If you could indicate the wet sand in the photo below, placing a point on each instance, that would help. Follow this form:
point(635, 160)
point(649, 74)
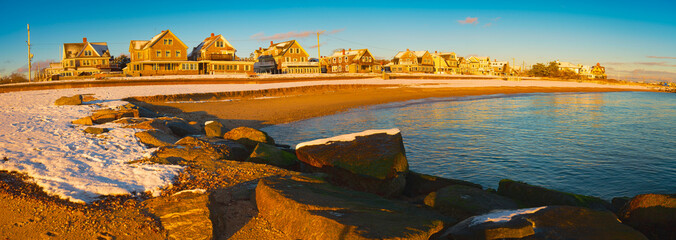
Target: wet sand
point(261, 109)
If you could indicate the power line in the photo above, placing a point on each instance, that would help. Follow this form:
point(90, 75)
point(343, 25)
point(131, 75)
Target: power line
point(366, 45)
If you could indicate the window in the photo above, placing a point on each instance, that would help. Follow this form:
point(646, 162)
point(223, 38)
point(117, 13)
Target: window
point(230, 67)
point(334, 60)
point(168, 54)
point(219, 44)
point(170, 66)
point(345, 58)
point(297, 50)
point(302, 59)
point(168, 41)
point(340, 60)
point(138, 55)
point(159, 54)
point(178, 53)
point(246, 68)
point(88, 53)
point(155, 67)
point(340, 68)
point(295, 60)
point(287, 59)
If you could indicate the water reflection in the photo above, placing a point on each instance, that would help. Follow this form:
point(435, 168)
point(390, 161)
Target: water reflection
point(603, 144)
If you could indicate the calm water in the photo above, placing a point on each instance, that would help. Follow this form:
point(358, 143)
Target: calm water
point(601, 144)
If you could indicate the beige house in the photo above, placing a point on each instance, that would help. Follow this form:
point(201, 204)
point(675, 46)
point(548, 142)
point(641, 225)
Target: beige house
point(412, 62)
point(164, 54)
point(290, 57)
point(445, 63)
point(82, 59)
point(215, 55)
point(350, 61)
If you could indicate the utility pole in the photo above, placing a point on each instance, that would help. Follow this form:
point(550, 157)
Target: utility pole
point(319, 54)
point(30, 56)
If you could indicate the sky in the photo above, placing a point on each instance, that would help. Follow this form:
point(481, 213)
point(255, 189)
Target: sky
point(633, 40)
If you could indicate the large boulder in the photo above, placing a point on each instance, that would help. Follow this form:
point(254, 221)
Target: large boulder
point(422, 184)
point(191, 151)
point(461, 202)
point(156, 138)
point(535, 196)
point(652, 214)
point(249, 137)
point(305, 207)
point(184, 215)
point(109, 115)
point(371, 161)
point(549, 222)
point(268, 154)
point(142, 112)
point(72, 100)
point(181, 128)
point(213, 129)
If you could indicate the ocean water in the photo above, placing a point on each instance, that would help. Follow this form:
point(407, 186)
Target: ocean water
point(600, 144)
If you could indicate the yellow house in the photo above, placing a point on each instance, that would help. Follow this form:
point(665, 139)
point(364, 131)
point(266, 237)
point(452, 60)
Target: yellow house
point(412, 62)
point(82, 59)
point(290, 57)
point(215, 55)
point(164, 54)
point(479, 65)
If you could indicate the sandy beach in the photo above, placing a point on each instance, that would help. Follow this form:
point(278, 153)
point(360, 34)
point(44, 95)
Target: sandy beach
point(261, 108)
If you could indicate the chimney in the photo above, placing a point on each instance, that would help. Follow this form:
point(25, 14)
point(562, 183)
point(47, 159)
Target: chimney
point(407, 50)
point(84, 40)
point(271, 43)
point(212, 34)
point(435, 52)
point(260, 48)
point(350, 49)
point(343, 51)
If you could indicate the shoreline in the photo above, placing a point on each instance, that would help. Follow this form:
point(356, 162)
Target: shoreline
point(258, 109)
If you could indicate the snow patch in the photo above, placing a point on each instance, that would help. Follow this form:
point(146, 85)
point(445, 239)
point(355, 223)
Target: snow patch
point(502, 216)
point(195, 191)
point(347, 137)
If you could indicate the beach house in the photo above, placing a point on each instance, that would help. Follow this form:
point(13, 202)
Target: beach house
point(164, 54)
point(412, 62)
point(445, 62)
point(350, 61)
point(215, 55)
point(290, 57)
point(82, 59)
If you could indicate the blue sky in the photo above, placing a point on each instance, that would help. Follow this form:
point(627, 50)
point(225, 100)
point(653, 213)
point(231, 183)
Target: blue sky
point(632, 39)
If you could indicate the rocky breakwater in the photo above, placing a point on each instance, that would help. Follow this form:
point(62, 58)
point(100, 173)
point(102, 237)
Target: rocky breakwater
point(239, 184)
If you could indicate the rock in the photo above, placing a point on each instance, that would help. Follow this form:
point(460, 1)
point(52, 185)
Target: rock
point(371, 161)
point(109, 115)
point(191, 151)
point(87, 121)
point(619, 203)
point(305, 207)
point(268, 154)
point(130, 120)
point(95, 130)
point(552, 222)
point(535, 196)
point(181, 128)
point(652, 214)
point(461, 202)
point(73, 100)
point(248, 137)
point(213, 129)
point(184, 215)
point(422, 184)
point(155, 138)
point(152, 124)
point(143, 112)
point(237, 151)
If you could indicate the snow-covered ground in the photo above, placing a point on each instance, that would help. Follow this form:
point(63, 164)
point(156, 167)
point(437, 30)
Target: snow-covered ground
point(37, 137)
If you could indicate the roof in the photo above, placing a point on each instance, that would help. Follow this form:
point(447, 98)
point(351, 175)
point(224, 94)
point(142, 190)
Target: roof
point(358, 53)
point(283, 46)
point(208, 42)
point(138, 44)
point(71, 50)
point(400, 54)
point(419, 53)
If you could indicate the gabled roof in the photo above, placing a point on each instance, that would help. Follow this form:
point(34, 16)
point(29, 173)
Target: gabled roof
point(419, 53)
point(208, 42)
point(71, 50)
point(157, 38)
point(138, 44)
point(400, 54)
point(356, 53)
point(283, 47)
